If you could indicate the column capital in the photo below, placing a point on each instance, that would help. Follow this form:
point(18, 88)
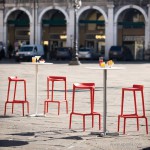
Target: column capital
point(110, 6)
point(146, 23)
point(148, 5)
point(115, 23)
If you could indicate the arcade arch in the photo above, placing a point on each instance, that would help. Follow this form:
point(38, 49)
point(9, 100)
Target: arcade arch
point(17, 28)
point(131, 24)
point(92, 30)
point(53, 30)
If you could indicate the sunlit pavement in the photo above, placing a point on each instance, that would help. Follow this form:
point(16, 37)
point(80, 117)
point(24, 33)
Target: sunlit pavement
point(52, 131)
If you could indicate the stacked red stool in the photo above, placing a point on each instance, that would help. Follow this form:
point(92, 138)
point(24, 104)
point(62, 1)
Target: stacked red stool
point(85, 86)
point(53, 79)
point(134, 89)
point(14, 101)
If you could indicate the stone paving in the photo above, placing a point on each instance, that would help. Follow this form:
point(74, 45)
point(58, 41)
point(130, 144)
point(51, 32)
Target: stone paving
point(52, 131)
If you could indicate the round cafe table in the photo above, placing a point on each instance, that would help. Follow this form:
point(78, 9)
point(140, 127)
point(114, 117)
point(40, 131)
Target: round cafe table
point(105, 69)
point(36, 64)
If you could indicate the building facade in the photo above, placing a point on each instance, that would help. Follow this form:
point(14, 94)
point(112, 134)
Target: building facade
point(100, 24)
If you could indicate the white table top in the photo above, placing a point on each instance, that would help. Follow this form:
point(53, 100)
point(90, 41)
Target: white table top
point(105, 68)
point(37, 63)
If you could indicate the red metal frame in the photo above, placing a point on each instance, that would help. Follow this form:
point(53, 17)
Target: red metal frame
point(91, 87)
point(48, 100)
point(133, 89)
point(14, 101)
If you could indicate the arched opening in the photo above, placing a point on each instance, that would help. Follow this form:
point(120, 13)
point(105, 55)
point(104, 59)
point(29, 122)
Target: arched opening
point(131, 32)
point(18, 31)
point(53, 32)
point(92, 31)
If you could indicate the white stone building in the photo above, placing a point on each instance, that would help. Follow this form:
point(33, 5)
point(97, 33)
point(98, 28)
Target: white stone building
point(100, 24)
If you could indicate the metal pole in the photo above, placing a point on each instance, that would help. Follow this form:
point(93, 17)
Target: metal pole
point(75, 59)
point(105, 102)
point(75, 32)
point(34, 22)
point(36, 89)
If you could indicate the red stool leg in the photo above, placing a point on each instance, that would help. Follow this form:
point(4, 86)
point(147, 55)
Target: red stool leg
point(65, 89)
point(5, 108)
point(66, 97)
point(92, 105)
point(14, 96)
point(12, 109)
point(124, 126)
point(44, 107)
point(47, 88)
point(8, 91)
point(118, 123)
point(135, 106)
point(58, 108)
point(52, 98)
point(73, 97)
point(25, 96)
point(47, 107)
point(83, 122)
point(99, 122)
point(122, 103)
point(25, 93)
point(143, 105)
point(92, 121)
point(70, 121)
point(28, 107)
point(15, 90)
point(67, 107)
point(23, 109)
point(146, 122)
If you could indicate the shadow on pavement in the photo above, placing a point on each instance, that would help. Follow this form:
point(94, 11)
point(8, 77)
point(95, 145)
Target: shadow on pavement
point(11, 143)
point(24, 134)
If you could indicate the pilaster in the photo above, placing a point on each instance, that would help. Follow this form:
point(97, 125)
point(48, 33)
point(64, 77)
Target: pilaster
point(70, 29)
point(1, 25)
point(109, 30)
point(147, 30)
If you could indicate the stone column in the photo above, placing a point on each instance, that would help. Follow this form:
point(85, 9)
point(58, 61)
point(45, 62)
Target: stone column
point(39, 35)
point(36, 23)
point(109, 30)
point(31, 33)
point(5, 37)
point(70, 29)
point(1, 25)
point(33, 25)
point(147, 30)
point(115, 33)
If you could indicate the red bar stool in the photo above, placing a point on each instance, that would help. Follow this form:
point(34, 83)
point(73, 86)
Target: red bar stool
point(48, 100)
point(134, 89)
point(91, 87)
point(14, 101)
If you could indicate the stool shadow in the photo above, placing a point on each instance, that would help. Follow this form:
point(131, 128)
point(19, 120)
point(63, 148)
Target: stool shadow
point(11, 143)
point(24, 134)
point(147, 148)
point(72, 138)
point(6, 116)
point(96, 89)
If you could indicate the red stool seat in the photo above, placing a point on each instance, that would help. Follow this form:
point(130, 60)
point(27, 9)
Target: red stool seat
point(48, 100)
point(91, 87)
point(133, 89)
point(14, 101)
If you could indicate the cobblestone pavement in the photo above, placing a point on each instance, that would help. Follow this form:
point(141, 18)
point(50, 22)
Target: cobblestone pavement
point(52, 131)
